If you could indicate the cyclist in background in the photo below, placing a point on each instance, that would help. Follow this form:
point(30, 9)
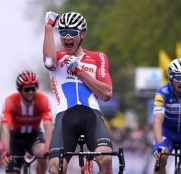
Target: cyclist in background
point(167, 114)
point(22, 114)
point(78, 78)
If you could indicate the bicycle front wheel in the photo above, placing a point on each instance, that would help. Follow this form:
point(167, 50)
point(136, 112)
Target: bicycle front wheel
point(26, 169)
point(178, 169)
point(91, 167)
point(96, 167)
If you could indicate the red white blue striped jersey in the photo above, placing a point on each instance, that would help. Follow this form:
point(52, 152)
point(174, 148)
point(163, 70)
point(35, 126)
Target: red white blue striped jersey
point(69, 90)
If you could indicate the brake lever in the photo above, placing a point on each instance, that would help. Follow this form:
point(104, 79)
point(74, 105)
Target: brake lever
point(157, 165)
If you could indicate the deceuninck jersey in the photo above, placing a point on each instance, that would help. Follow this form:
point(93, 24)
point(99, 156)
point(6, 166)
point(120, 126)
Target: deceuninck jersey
point(167, 102)
point(25, 119)
point(69, 90)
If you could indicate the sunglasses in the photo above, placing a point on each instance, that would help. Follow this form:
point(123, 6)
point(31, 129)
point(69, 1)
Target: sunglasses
point(29, 89)
point(71, 33)
point(177, 78)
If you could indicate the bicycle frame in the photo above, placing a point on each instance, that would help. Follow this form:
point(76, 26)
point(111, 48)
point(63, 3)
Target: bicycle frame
point(88, 168)
point(90, 156)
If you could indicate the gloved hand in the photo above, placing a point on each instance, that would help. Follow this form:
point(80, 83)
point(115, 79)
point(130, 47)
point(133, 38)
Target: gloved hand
point(156, 151)
point(5, 157)
point(73, 64)
point(51, 18)
point(157, 146)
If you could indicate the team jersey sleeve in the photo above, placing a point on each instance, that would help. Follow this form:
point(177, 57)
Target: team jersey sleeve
point(6, 112)
point(46, 114)
point(60, 54)
point(159, 103)
point(103, 69)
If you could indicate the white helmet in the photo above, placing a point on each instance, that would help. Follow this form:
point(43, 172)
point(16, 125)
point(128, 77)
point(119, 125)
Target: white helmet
point(72, 20)
point(174, 67)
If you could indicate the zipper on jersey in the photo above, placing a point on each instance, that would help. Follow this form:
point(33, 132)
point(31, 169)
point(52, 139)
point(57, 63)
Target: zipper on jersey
point(179, 121)
point(77, 89)
point(77, 82)
point(179, 115)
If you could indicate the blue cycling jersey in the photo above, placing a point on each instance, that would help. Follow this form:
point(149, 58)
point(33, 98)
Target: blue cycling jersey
point(167, 102)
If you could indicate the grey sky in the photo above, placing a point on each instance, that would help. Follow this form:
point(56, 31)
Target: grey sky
point(21, 43)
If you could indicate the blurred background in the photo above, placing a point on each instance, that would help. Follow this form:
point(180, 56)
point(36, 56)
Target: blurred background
point(139, 37)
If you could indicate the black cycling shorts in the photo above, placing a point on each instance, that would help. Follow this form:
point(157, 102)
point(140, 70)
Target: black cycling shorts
point(21, 143)
point(78, 120)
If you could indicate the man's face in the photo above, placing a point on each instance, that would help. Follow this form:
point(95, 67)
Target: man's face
point(28, 93)
point(71, 40)
point(177, 83)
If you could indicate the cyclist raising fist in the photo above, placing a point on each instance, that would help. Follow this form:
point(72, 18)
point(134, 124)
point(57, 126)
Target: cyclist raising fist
point(78, 78)
point(22, 114)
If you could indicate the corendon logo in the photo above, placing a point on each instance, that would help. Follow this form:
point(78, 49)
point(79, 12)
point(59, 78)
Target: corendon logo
point(54, 88)
point(88, 69)
point(84, 67)
point(103, 71)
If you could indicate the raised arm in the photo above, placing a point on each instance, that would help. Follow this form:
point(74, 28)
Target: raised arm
point(49, 48)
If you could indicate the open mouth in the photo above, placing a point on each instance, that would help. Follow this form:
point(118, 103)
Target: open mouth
point(69, 44)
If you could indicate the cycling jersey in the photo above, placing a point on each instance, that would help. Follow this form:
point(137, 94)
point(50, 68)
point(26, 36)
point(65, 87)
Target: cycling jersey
point(167, 102)
point(26, 119)
point(69, 89)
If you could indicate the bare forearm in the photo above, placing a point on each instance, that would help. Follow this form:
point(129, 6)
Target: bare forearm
point(48, 133)
point(157, 129)
point(49, 49)
point(157, 134)
point(5, 136)
point(99, 88)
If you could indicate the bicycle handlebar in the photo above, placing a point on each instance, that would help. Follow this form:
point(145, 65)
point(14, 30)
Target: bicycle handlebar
point(29, 158)
point(157, 165)
point(91, 155)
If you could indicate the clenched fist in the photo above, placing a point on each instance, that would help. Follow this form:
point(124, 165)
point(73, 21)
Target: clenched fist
point(51, 18)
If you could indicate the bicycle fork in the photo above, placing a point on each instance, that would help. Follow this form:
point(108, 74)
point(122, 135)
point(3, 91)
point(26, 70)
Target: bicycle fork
point(88, 168)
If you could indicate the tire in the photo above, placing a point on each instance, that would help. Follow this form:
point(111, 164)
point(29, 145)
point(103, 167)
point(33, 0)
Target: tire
point(25, 169)
point(96, 167)
point(178, 168)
